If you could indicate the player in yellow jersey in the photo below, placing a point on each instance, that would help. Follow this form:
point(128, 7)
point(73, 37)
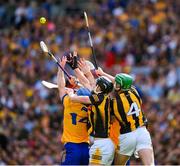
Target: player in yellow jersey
point(75, 134)
point(102, 150)
point(114, 130)
point(134, 137)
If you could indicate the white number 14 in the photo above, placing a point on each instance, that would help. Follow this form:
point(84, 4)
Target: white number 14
point(133, 109)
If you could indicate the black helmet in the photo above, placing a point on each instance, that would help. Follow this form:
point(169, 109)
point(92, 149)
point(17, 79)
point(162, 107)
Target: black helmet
point(105, 84)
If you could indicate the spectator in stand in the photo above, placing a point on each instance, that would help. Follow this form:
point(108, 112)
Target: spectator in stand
point(137, 37)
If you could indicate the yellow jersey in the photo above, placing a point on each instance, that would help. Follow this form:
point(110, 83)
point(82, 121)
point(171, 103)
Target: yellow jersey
point(115, 131)
point(75, 122)
point(127, 109)
point(99, 116)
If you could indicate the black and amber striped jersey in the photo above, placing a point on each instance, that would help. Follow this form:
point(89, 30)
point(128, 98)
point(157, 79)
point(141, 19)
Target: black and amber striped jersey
point(128, 111)
point(99, 116)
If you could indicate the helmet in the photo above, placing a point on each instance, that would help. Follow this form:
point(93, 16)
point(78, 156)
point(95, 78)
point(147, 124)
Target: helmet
point(124, 80)
point(105, 84)
point(90, 64)
point(83, 92)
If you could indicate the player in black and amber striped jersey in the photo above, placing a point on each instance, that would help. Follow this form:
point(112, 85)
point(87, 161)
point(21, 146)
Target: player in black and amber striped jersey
point(99, 117)
point(102, 151)
point(134, 137)
point(127, 109)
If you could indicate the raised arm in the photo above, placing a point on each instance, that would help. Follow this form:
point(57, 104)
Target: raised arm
point(79, 99)
point(61, 79)
point(84, 67)
point(102, 73)
point(82, 79)
point(94, 99)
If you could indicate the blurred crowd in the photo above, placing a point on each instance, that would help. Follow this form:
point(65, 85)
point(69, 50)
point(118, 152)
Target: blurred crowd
point(140, 37)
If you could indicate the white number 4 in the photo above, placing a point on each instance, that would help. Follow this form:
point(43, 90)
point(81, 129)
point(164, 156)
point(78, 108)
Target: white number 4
point(133, 109)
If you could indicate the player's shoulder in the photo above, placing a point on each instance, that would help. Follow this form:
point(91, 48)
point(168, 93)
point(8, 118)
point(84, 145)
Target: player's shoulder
point(65, 99)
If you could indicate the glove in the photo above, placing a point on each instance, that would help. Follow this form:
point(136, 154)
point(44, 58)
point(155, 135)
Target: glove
point(72, 61)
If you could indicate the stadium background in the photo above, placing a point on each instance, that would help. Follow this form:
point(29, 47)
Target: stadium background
point(141, 37)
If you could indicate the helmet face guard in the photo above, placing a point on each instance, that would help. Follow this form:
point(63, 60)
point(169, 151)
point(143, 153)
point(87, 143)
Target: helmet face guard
point(105, 84)
point(124, 80)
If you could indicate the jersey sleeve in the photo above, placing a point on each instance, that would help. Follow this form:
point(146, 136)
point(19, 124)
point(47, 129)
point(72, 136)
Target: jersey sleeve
point(96, 99)
point(64, 98)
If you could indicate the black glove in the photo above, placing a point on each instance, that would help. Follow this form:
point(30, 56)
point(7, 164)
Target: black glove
point(72, 61)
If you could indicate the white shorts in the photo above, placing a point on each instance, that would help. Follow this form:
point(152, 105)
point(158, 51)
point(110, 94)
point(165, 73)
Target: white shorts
point(134, 141)
point(102, 151)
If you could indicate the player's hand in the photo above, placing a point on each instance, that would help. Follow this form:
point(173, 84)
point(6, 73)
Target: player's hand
point(63, 61)
point(83, 66)
point(72, 60)
point(99, 71)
